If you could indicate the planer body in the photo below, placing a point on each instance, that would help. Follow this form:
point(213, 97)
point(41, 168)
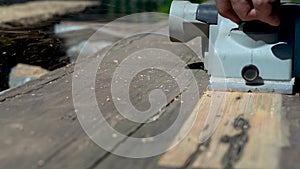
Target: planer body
point(248, 57)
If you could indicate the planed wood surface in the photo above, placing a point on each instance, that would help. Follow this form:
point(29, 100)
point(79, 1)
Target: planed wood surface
point(289, 155)
point(258, 147)
point(39, 126)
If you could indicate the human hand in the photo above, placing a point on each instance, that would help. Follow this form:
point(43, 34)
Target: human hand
point(247, 10)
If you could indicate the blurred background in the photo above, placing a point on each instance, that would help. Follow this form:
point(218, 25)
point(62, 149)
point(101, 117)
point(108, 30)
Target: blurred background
point(29, 51)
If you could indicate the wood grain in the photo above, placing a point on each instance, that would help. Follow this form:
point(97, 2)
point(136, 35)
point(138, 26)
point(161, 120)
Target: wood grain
point(266, 135)
point(39, 128)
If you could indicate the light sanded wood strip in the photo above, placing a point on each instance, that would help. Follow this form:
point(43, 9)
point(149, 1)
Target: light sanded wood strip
point(177, 156)
point(266, 135)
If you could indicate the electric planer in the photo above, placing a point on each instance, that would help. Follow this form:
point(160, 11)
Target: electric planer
point(249, 57)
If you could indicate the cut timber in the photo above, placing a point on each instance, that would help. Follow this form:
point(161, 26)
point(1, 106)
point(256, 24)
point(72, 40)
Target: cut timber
point(259, 147)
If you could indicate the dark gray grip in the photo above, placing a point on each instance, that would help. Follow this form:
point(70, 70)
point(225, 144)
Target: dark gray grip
point(207, 13)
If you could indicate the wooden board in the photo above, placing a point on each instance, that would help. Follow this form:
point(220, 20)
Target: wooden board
point(39, 127)
point(257, 145)
point(39, 121)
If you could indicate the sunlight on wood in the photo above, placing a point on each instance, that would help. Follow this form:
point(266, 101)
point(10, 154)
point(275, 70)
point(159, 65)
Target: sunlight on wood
point(265, 136)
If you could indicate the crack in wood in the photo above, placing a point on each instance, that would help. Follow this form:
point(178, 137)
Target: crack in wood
point(106, 155)
point(61, 149)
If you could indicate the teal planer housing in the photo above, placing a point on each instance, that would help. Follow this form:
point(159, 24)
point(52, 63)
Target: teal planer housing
point(251, 56)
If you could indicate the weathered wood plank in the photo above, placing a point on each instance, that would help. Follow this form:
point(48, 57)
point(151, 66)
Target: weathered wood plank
point(39, 122)
point(139, 94)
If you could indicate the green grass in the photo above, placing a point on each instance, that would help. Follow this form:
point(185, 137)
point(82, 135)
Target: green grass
point(111, 7)
point(165, 8)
